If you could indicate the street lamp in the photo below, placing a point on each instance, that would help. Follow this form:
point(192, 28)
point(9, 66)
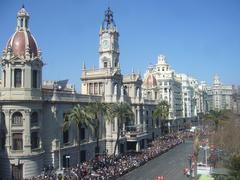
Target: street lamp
point(190, 164)
point(68, 160)
point(59, 155)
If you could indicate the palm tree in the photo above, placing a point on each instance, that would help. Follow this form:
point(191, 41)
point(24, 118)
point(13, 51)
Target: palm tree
point(162, 112)
point(217, 116)
point(196, 148)
point(120, 111)
point(79, 117)
point(95, 111)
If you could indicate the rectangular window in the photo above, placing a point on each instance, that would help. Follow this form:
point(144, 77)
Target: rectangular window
point(82, 133)
point(91, 88)
point(17, 78)
point(17, 141)
point(105, 64)
point(95, 88)
point(34, 140)
point(100, 88)
point(34, 78)
point(17, 119)
point(4, 78)
point(65, 131)
point(65, 136)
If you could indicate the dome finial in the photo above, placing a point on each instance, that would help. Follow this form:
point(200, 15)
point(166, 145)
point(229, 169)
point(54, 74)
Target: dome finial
point(22, 19)
point(83, 66)
point(108, 21)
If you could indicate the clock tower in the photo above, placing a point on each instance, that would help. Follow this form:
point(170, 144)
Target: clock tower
point(108, 42)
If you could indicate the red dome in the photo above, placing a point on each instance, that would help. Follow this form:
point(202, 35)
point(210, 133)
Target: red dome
point(20, 41)
point(150, 81)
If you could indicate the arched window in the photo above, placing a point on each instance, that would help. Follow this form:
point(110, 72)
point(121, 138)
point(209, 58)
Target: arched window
point(17, 119)
point(149, 95)
point(34, 119)
point(17, 77)
point(21, 22)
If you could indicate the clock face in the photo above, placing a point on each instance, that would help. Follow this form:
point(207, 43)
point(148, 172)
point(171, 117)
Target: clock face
point(105, 44)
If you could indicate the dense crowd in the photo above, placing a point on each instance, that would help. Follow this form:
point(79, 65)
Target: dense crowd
point(110, 167)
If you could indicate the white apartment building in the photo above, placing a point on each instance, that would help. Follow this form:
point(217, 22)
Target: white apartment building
point(160, 83)
point(194, 97)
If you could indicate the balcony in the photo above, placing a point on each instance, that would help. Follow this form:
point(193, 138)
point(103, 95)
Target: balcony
point(135, 131)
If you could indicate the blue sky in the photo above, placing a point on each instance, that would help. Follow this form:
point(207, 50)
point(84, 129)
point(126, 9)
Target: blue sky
point(198, 37)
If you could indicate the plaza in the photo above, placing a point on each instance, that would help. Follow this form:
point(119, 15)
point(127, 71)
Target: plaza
point(33, 110)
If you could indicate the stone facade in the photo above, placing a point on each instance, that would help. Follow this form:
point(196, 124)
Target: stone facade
point(33, 110)
point(219, 95)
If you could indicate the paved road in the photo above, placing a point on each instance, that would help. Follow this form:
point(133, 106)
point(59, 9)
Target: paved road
point(170, 165)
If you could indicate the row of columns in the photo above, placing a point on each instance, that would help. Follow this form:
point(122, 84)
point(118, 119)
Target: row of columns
point(95, 88)
point(12, 78)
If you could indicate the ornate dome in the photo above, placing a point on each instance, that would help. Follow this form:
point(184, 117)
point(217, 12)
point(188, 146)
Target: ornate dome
point(22, 43)
point(150, 81)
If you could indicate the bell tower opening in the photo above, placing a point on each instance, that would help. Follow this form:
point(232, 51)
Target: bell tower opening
point(22, 19)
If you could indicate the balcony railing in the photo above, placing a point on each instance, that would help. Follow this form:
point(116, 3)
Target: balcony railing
point(135, 130)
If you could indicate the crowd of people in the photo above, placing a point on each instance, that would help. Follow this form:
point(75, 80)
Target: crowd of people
point(111, 167)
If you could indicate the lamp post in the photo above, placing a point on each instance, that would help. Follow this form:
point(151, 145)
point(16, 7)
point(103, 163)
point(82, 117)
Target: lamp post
point(59, 155)
point(190, 164)
point(68, 160)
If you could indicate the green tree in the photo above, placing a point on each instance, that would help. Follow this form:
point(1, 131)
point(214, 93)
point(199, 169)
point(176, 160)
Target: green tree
point(120, 111)
point(162, 112)
point(234, 166)
point(217, 117)
point(78, 115)
point(96, 111)
point(196, 148)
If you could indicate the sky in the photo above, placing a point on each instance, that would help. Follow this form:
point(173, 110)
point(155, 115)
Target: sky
point(200, 38)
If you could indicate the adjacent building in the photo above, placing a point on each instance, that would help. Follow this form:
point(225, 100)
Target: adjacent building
point(160, 84)
point(219, 95)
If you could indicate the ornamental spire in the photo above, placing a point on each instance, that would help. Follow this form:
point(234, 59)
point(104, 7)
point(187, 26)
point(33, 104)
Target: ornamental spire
point(22, 19)
point(108, 20)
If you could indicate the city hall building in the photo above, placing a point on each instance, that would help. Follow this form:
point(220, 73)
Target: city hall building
point(33, 110)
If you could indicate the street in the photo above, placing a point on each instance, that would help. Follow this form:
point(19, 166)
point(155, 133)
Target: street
point(169, 165)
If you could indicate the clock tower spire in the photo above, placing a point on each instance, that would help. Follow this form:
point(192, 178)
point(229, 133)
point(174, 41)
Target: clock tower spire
point(108, 42)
